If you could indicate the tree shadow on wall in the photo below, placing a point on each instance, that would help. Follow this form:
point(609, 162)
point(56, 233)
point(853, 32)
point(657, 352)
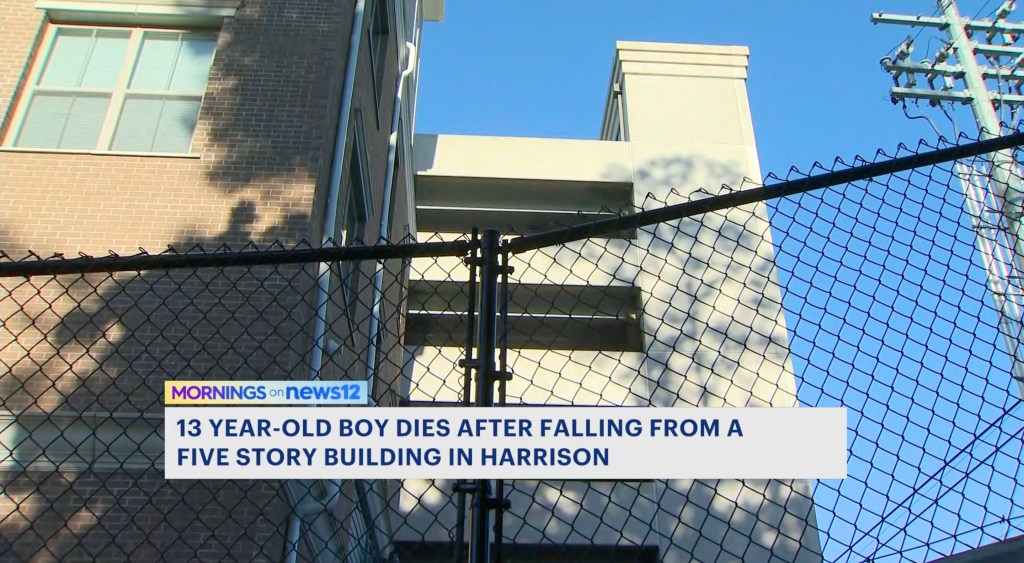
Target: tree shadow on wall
point(98, 343)
point(270, 108)
point(105, 343)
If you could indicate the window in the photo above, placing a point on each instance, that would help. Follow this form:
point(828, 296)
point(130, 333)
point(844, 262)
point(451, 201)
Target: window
point(355, 207)
point(356, 215)
point(380, 28)
point(354, 231)
point(117, 89)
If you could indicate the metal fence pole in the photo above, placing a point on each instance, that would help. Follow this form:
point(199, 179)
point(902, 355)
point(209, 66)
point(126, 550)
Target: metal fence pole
point(467, 365)
point(480, 547)
point(503, 375)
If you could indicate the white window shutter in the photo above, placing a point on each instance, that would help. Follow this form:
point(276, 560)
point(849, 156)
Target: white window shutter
point(91, 86)
point(177, 123)
point(193, 68)
point(106, 60)
point(67, 57)
point(140, 117)
point(44, 122)
point(84, 122)
point(156, 58)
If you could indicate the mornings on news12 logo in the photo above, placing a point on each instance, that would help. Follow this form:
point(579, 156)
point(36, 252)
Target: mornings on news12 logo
point(265, 393)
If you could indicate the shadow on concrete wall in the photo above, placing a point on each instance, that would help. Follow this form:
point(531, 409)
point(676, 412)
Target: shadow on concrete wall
point(714, 336)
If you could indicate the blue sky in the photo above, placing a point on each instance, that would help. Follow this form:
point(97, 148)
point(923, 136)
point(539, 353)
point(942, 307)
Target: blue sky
point(884, 294)
point(541, 68)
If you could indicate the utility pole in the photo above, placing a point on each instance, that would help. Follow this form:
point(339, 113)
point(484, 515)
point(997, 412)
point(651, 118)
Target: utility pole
point(995, 199)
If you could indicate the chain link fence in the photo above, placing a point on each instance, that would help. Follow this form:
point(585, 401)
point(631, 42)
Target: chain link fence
point(887, 286)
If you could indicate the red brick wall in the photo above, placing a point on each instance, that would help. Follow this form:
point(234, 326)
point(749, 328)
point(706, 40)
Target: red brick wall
point(138, 516)
point(99, 343)
point(103, 343)
point(264, 139)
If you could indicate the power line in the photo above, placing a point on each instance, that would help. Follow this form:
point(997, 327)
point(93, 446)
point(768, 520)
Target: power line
point(931, 477)
point(918, 34)
point(967, 472)
point(982, 9)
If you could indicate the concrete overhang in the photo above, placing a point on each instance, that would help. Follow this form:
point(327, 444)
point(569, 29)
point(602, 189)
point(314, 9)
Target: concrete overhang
point(517, 184)
point(192, 13)
point(524, 158)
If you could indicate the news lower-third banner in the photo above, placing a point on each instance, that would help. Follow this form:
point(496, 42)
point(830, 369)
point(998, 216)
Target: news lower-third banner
point(621, 443)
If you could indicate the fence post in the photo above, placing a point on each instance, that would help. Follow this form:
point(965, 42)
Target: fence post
point(472, 261)
point(480, 548)
point(501, 503)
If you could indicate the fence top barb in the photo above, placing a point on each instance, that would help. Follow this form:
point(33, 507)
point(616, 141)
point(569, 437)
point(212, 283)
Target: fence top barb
point(737, 198)
point(35, 266)
point(58, 265)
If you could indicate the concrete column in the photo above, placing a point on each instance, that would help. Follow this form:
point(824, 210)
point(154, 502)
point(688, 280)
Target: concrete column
point(714, 333)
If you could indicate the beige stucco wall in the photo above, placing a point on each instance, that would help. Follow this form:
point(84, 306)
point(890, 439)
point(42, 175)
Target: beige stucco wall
point(711, 315)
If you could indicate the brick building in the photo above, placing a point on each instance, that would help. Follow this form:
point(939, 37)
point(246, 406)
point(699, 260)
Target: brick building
point(148, 123)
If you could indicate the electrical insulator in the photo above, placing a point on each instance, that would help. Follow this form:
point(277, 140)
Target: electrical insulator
point(885, 62)
point(905, 49)
point(1005, 9)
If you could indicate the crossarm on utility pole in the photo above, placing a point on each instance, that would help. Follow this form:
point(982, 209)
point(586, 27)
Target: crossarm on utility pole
point(1003, 174)
point(940, 22)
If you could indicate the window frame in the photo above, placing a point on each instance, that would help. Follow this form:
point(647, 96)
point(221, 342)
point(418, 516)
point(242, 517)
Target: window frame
point(358, 200)
point(118, 94)
point(358, 195)
point(380, 34)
